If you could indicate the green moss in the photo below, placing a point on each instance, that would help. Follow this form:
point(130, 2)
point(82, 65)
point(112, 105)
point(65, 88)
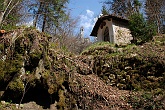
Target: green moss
point(61, 103)
point(1, 71)
point(157, 91)
point(8, 106)
point(1, 75)
point(145, 101)
point(98, 48)
point(16, 88)
point(54, 45)
point(35, 58)
point(60, 79)
point(1, 47)
point(47, 63)
point(19, 46)
point(46, 74)
point(10, 68)
point(36, 54)
point(15, 66)
point(53, 88)
point(121, 86)
point(16, 85)
point(105, 77)
point(9, 27)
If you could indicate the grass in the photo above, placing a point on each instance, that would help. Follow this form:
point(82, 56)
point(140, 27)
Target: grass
point(96, 45)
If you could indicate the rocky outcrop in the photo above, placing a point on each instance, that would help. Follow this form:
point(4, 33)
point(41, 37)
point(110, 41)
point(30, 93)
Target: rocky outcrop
point(35, 76)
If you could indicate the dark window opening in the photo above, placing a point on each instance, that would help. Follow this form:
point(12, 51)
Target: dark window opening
point(106, 35)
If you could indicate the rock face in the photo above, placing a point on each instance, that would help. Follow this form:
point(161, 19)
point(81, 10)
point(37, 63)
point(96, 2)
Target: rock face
point(38, 76)
point(122, 34)
point(131, 67)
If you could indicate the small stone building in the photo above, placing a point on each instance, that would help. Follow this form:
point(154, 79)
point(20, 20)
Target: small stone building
point(112, 29)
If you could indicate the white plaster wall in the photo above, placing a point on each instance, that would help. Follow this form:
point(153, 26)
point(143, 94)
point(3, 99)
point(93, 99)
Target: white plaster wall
point(100, 33)
point(122, 34)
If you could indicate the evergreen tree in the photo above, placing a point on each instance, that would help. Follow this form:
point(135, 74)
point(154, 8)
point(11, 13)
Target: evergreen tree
point(48, 13)
point(104, 11)
point(123, 8)
point(140, 29)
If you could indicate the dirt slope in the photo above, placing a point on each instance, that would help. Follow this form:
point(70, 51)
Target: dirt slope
point(110, 97)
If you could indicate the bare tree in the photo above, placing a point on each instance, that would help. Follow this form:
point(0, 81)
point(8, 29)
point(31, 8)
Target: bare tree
point(6, 7)
point(66, 38)
point(155, 11)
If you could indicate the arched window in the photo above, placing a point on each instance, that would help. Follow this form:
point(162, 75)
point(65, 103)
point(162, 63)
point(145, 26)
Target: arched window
point(106, 35)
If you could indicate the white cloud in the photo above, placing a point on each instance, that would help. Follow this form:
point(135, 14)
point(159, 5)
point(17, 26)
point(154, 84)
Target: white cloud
point(90, 13)
point(87, 20)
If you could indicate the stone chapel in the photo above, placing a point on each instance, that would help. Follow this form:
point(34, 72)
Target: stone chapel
point(112, 29)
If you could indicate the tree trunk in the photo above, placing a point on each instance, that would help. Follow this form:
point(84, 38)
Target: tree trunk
point(37, 15)
point(1, 17)
point(35, 20)
point(44, 20)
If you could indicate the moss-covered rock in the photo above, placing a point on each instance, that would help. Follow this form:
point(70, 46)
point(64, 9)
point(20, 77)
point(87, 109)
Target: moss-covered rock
point(128, 66)
point(76, 81)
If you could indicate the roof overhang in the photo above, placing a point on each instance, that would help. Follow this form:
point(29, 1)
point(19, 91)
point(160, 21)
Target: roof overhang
point(106, 17)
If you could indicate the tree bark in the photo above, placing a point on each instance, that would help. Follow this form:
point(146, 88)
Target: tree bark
point(1, 17)
point(44, 20)
point(37, 15)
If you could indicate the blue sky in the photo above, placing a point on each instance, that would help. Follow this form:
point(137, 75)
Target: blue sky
point(87, 12)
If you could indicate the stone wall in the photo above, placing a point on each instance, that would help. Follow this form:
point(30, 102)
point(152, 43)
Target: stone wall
point(122, 34)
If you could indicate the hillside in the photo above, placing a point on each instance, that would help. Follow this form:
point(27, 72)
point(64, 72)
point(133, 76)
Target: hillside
point(37, 75)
